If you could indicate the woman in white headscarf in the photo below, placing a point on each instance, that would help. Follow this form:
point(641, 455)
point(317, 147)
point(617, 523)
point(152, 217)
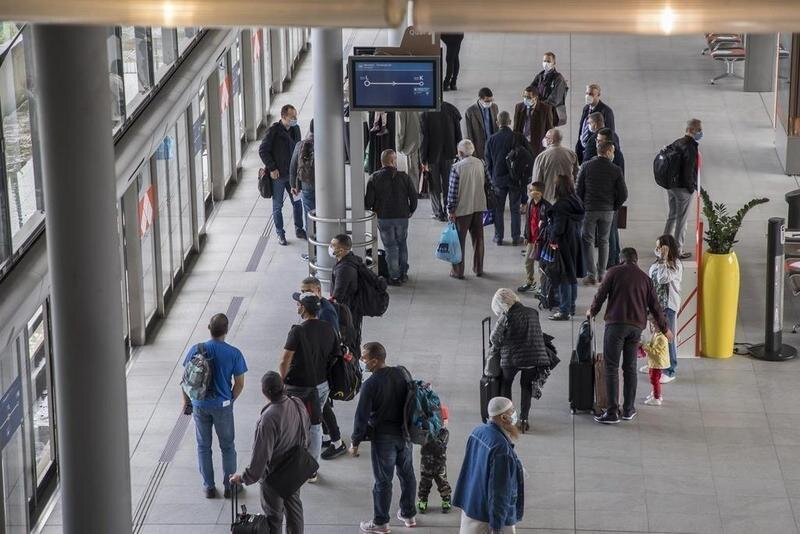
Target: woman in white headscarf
point(517, 344)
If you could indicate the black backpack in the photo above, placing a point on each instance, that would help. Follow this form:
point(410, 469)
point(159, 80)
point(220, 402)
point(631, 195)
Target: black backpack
point(347, 330)
point(344, 377)
point(519, 161)
point(372, 299)
point(667, 166)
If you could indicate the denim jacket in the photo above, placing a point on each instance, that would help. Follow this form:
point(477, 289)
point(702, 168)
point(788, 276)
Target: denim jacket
point(490, 485)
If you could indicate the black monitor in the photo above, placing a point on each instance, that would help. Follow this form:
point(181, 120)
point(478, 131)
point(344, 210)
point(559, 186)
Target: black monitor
point(395, 83)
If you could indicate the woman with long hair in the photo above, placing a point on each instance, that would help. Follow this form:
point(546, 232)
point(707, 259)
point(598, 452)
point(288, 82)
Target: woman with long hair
point(666, 274)
point(564, 235)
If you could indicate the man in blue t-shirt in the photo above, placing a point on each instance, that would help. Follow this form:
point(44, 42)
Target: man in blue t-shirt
point(216, 411)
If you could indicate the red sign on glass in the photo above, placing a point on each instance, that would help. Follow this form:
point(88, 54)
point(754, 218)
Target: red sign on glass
point(224, 94)
point(257, 45)
point(147, 210)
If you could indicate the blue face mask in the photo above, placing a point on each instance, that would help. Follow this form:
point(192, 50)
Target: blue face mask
point(528, 102)
point(698, 136)
point(292, 123)
point(363, 366)
point(514, 418)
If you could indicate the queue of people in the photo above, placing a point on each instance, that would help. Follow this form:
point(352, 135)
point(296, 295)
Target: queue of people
point(566, 208)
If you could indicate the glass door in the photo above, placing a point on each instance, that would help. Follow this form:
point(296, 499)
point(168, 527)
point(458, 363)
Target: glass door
point(14, 507)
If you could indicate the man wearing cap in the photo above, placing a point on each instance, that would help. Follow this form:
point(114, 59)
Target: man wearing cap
point(283, 425)
point(310, 347)
point(490, 488)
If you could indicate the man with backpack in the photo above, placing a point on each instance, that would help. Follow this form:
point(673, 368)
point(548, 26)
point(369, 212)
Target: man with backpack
point(381, 419)
point(301, 172)
point(675, 169)
point(209, 369)
point(392, 197)
point(509, 163)
point(309, 350)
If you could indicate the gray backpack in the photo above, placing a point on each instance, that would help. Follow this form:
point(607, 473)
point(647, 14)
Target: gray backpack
point(198, 375)
point(305, 162)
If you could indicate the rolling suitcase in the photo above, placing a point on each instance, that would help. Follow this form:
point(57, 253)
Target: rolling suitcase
point(244, 522)
point(581, 382)
point(490, 385)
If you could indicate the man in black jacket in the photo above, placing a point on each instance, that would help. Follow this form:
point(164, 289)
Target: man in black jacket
point(593, 104)
point(393, 198)
point(607, 135)
point(276, 153)
point(344, 280)
point(441, 132)
point(680, 197)
point(601, 188)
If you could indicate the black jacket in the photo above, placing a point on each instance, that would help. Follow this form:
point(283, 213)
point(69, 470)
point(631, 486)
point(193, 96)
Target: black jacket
point(391, 194)
point(566, 217)
point(277, 147)
point(441, 132)
point(608, 116)
point(601, 186)
point(591, 151)
point(344, 280)
point(688, 147)
point(518, 339)
point(497, 148)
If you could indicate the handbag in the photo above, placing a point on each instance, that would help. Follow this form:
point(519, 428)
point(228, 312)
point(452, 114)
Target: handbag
point(293, 470)
point(264, 183)
point(491, 200)
point(622, 217)
point(488, 217)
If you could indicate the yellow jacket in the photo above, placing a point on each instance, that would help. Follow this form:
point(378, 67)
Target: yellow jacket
point(657, 350)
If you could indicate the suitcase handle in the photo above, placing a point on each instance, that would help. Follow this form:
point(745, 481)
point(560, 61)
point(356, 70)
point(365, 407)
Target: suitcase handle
point(486, 321)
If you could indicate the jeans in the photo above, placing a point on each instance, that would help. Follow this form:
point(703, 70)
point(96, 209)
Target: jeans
point(308, 199)
point(678, 201)
point(514, 200)
point(672, 317)
point(568, 294)
point(221, 419)
point(315, 434)
point(279, 188)
point(394, 233)
point(388, 453)
point(275, 507)
point(596, 223)
point(621, 338)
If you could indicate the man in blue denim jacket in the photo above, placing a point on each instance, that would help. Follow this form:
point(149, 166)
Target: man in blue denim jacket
point(490, 489)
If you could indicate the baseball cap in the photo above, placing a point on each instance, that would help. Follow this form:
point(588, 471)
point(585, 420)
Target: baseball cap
point(309, 300)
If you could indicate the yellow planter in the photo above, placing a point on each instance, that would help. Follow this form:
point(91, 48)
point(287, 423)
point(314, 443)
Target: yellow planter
point(720, 303)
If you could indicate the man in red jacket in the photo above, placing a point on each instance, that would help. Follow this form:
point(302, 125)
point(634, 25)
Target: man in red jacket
point(631, 296)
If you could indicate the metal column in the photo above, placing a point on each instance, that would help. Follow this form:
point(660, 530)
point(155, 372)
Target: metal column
point(74, 117)
point(358, 180)
point(326, 64)
point(759, 63)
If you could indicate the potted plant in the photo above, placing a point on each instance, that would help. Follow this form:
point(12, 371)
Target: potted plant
point(720, 276)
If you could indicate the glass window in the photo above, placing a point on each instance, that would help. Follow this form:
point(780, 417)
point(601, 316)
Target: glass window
point(164, 50)
point(24, 195)
point(147, 215)
point(41, 412)
point(115, 79)
point(185, 37)
point(162, 195)
point(185, 190)
point(15, 505)
point(136, 65)
point(225, 103)
point(8, 30)
point(174, 203)
point(200, 152)
point(238, 97)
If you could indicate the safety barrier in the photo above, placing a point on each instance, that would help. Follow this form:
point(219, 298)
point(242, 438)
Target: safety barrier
point(692, 304)
point(343, 225)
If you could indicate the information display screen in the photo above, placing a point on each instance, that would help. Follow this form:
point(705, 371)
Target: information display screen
point(389, 83)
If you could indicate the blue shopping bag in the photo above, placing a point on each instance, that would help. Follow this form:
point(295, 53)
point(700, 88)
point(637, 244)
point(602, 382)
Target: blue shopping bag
point(449, 248)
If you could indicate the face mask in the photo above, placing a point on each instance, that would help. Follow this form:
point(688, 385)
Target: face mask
point(485, 105)
point(292, 123)
point(698, 136)
point(657, 252)
point(331, 251)
point(363, 366)
point(514, 418)
point(544, 142)
point(589, 99)
point(547, 66)
point(528, 102)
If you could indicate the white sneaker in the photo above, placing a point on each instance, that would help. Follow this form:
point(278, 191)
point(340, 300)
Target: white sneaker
point(665, 379)
point(371, 527)
point(645, 370)
point(409, 522)
point(652, 401)
point(649, 396)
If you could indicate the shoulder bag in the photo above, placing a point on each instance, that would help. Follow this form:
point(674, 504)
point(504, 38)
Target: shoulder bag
point(293, 470)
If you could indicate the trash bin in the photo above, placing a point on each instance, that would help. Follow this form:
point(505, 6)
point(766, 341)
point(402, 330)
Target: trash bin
point(793, 219)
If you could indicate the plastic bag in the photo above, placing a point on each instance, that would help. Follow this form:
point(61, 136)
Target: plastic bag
point(488, 217)
point(449, 248)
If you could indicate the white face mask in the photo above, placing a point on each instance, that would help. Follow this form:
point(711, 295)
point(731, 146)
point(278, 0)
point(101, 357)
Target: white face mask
point(589, 99)
point(528, 102)
point(485, 105)
point(546, 65)
point(514, 418)
point(657, 252)
point(544, 142)
point(331, 251)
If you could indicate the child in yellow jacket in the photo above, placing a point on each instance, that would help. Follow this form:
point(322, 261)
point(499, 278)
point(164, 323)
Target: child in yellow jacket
point(657, 351)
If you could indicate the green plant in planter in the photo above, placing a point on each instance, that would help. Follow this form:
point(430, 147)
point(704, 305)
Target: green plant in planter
point(722, 228)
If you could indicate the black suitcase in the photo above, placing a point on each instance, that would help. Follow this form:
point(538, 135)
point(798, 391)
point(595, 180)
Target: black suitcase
point(243, 522)
point(581, 384)
point(490, 385)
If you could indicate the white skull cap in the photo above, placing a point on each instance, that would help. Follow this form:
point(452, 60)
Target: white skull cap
point(499, 405)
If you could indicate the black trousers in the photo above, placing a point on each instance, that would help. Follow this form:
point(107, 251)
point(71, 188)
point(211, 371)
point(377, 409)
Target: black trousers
point(526, 387)
point(439, 185)
point(621, 338)
point(453, 43)
point(329, 424)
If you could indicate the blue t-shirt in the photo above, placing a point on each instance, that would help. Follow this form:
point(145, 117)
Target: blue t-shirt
point(227, 362)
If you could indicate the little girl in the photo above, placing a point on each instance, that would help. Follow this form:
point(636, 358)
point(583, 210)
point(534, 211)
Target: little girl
point(657, 351)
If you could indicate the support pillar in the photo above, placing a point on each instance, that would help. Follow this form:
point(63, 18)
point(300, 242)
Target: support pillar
point(74, 114)
point(759, 63)
point(327, 96)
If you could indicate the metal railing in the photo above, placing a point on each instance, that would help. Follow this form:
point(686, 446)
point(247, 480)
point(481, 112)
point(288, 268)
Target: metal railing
point(347, 225)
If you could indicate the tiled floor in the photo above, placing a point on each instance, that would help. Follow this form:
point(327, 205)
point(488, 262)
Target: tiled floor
point(721, 456)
